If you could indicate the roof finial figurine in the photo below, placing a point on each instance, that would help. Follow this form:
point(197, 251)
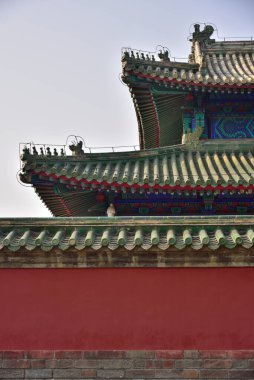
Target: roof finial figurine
point(48, 151)
point(77, 148)
point(25, 154)
point(164, 56)
point(193, 137)
point(126, 55)
point(111, 211)
point(35, 151)
point(204, 35)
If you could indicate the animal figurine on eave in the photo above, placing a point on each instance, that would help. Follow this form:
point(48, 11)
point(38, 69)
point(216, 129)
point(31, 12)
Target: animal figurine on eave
point(192, 137)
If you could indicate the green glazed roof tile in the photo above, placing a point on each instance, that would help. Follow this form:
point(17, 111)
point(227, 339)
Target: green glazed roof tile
point(216, 163)
point(114, 233)
point(158, 86)
point(228, 62)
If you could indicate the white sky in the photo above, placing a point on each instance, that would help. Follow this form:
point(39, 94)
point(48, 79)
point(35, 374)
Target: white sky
point(59, 71)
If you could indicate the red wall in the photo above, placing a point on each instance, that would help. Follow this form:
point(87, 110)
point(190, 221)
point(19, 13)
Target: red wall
point(127, 308)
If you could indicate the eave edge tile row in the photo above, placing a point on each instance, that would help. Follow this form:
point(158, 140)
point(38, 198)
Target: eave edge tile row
point(225, 164)
point(143, 233)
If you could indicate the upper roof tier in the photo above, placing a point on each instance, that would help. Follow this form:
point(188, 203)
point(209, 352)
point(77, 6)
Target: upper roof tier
point(163, 89)
point(211, 63)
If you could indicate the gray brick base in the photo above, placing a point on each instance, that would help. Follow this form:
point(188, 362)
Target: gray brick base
point(135, 365)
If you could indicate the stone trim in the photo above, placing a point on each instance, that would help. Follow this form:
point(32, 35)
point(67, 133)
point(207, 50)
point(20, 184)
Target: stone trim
point(124, 364)
point(122, 258)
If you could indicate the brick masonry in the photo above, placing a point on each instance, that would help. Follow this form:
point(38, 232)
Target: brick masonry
point(135, 365)
point(121, 258)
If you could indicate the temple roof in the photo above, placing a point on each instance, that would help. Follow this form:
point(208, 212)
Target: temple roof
point(159, 87)
point(210, 63)
point(70, 185)
point(99, 233)
point(213, 162)
point(172, 100)
point(229, 65)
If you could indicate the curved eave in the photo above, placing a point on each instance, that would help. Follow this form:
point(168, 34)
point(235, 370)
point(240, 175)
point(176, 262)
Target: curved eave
point(147, 116)
point(159, 115)
point(199, 83)
point(226, 65)
point(159, 97)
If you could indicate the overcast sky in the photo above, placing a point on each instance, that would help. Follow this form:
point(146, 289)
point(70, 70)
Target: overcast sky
point(60, 62)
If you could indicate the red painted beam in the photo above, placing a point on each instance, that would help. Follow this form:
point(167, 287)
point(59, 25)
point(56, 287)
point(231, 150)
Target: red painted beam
point(139, 308)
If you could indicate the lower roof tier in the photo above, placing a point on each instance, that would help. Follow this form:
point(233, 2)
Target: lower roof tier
point(202, 173)
point(210, 163)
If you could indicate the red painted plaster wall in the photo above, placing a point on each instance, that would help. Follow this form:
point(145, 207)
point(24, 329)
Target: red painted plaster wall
point(127, 308)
